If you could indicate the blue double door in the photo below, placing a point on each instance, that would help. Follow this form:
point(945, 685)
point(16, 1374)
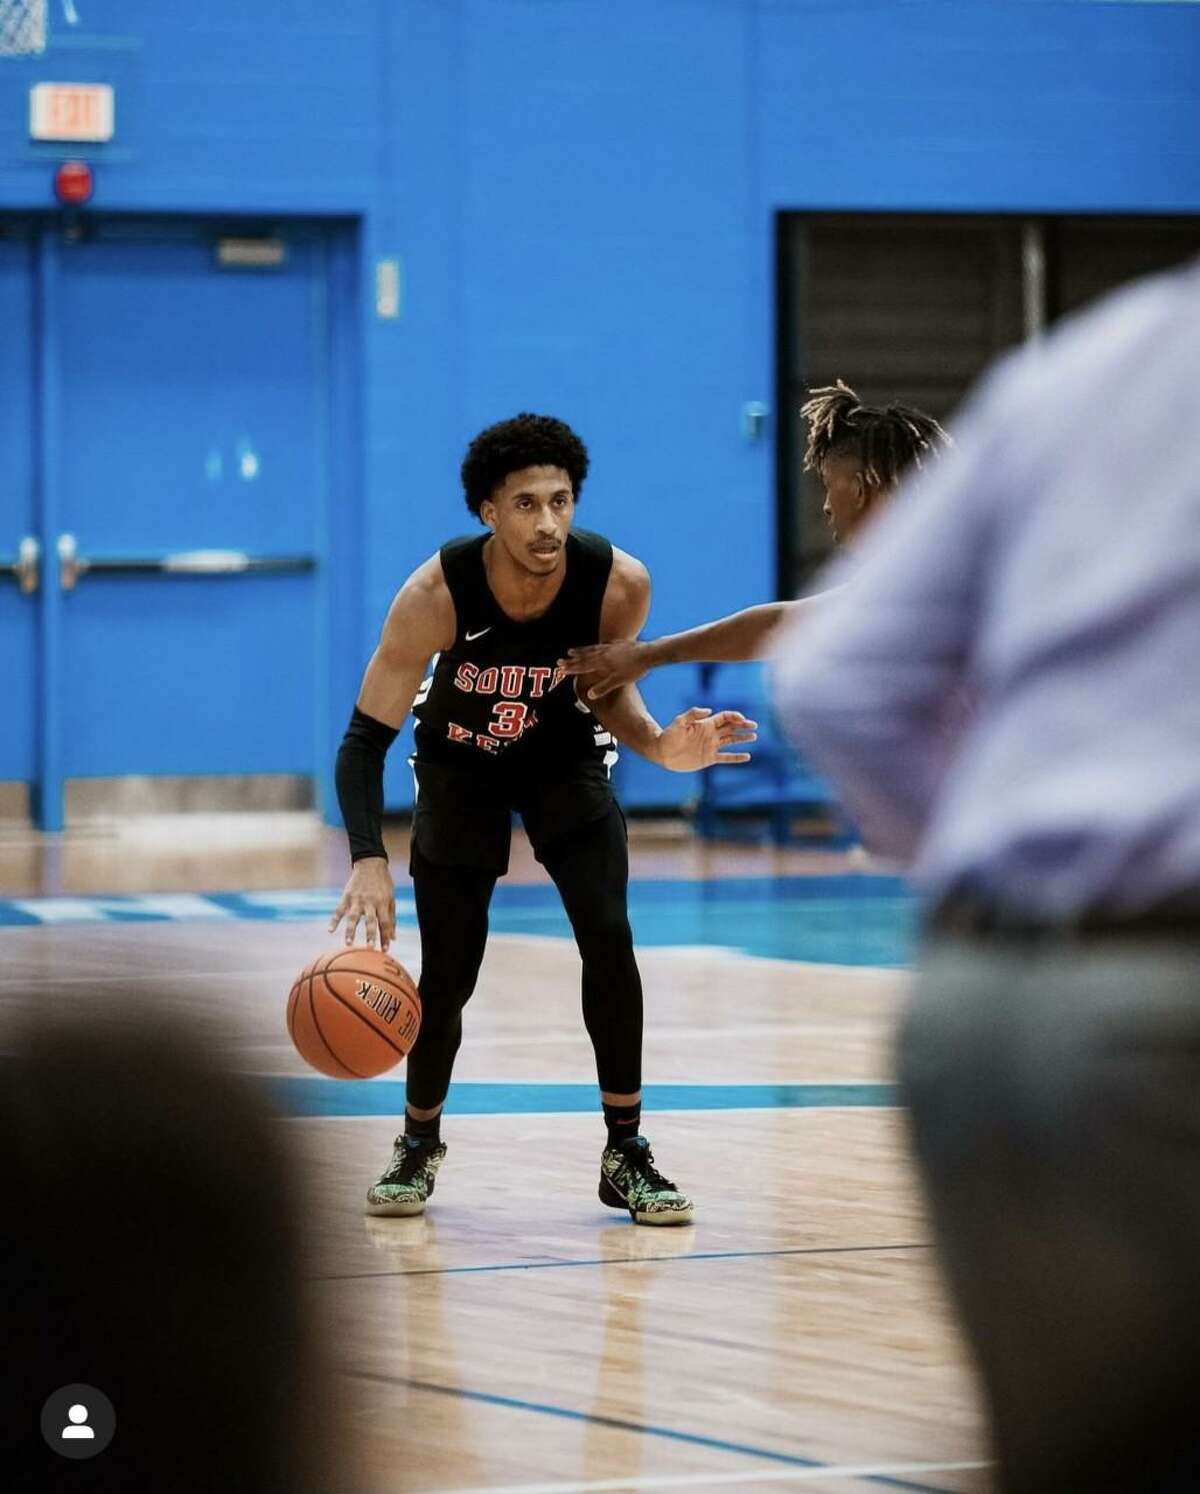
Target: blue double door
point(165, 505)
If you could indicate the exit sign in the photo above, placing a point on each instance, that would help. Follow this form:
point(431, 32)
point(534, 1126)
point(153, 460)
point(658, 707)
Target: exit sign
point(71, 111)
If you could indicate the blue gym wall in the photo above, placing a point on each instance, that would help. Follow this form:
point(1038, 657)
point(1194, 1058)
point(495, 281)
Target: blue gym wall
point(582, 195)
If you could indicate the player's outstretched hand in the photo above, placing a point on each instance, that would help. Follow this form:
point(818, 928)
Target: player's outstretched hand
point(697, 739)
point(370, 897)
point(622, 662)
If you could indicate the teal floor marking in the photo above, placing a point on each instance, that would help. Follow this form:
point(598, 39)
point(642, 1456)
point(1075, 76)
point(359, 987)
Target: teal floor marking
point(853, 919)
point(317, 1097)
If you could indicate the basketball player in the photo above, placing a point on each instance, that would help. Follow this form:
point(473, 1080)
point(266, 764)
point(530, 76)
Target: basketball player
point(500, 728)
point(861, 452)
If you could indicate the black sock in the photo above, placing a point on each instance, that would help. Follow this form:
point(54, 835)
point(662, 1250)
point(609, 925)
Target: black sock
point(423, 1132)
point(622, 1121)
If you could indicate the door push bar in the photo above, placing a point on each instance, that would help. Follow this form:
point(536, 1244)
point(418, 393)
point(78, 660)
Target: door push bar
point(72, 565)
point(26, 568)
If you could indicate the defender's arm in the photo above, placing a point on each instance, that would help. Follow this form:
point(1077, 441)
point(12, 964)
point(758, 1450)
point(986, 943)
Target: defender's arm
point(693, 740)
point(734, 639)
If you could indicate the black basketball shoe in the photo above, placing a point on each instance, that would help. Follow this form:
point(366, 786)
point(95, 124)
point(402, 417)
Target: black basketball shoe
point(630, 1180)
point(408, 1182)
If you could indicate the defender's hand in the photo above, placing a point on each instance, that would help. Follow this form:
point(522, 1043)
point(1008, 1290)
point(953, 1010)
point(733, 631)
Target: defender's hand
point(622, 662)
point(696, 739)
point(369, 896)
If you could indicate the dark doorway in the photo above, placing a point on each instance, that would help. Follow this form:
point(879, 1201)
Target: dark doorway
point(915, 307)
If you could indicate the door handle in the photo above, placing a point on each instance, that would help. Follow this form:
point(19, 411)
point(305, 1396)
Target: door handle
point(72, 565)
point(26, 568)
point(68, 565)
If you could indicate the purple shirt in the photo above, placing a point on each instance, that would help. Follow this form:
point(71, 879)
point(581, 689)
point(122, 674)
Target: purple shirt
point(1049, 566)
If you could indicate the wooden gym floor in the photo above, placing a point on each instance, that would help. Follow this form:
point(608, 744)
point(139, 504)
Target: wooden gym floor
point(521, 1336)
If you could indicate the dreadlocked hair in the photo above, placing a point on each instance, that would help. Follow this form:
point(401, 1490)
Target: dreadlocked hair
point(887, 439)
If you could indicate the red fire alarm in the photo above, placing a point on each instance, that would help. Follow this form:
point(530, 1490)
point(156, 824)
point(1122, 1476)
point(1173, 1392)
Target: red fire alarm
point(73, 183)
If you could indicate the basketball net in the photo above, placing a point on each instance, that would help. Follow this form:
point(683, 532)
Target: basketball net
point(22, 27)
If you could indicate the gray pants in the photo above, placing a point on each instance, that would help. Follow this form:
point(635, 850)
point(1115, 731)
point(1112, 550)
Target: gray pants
point(1054, 1090)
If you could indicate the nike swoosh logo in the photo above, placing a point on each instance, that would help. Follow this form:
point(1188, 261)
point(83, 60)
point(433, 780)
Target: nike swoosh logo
point(471, 637)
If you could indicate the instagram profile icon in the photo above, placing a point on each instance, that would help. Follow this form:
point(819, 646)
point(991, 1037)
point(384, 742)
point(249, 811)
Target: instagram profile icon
point(78, 1421)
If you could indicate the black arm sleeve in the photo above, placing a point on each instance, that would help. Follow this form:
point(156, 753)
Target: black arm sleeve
point(360, 783)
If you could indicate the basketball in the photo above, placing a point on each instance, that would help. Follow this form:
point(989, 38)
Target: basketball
point(354, 1013)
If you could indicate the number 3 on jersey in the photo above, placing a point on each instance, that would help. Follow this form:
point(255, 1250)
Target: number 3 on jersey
point(508, 719)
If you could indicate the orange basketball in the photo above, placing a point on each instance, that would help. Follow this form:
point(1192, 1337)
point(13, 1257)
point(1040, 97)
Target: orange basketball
point(354, 1013)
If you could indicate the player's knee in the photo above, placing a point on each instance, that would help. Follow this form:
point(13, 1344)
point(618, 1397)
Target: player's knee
point(449, 974)
point(605, 934)
point(445, 991)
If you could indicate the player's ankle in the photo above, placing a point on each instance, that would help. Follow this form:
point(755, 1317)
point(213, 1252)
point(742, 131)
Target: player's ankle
point(427, 1132)
point(623, 1121)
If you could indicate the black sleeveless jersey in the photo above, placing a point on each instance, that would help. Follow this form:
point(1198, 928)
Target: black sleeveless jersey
point(496, 702)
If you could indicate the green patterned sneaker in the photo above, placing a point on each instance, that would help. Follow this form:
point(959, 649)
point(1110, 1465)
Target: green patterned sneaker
point(630, 1180)
point(408, 1182)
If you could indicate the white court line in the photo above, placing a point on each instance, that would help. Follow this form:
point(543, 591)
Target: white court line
point(729, 1480)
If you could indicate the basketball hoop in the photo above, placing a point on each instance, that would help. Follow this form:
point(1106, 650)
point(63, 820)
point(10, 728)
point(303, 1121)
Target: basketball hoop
point(22, 27)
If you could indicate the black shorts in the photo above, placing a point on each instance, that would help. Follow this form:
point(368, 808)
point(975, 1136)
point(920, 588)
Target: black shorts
point(464, 818)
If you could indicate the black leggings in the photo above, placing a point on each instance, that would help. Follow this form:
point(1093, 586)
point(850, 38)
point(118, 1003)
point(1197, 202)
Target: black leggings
point(590, 868)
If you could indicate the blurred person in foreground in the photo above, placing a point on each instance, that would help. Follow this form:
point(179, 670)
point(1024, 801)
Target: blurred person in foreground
point(1051, 1056)
point(151, 1249)
point(861, 453)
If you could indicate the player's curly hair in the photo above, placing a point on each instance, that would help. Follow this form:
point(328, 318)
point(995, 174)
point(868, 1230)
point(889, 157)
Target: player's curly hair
point(524, 441)
point(886, 439)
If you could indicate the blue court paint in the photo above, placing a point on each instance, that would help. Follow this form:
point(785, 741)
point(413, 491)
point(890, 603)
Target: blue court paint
point(846, 920)
point(12, 916)
point(643, 1429)
point(329, 1097)
point(824, 931)
point(847, 886)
